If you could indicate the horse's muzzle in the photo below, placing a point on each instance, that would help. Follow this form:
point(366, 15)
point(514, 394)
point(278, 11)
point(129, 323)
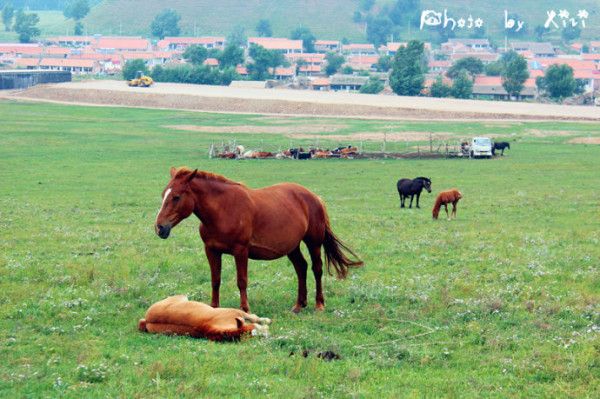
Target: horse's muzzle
point(163, 231)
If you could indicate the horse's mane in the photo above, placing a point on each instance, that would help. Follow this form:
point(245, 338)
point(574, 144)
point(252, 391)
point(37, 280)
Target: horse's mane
point(205, 175)
point(423, 178)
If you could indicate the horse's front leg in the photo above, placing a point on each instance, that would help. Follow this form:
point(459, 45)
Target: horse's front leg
point(454, 205)
point(214, 260)
point(402, 198)
point(241, 264)
point(418, 196)
point(446, 207)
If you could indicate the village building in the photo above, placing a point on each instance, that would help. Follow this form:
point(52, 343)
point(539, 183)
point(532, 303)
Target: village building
point(282, 45)
point(490, 88)
point(182, 43)
point(341, 82)
point(71, 65)
point(359, 49)
point(535, 49)
point(326, 46)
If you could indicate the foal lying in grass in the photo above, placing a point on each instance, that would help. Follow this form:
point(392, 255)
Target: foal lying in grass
point(177, 315)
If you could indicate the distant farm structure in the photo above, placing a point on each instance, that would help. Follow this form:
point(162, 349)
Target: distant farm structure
point(22, 79)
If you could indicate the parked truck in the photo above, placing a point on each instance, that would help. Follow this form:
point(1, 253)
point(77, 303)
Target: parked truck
point(481, 147)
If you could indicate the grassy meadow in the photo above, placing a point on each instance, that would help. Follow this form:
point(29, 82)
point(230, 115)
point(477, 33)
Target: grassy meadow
point(502, 302)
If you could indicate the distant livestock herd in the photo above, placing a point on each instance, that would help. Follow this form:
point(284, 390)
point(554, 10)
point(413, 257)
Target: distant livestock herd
point(292, 153)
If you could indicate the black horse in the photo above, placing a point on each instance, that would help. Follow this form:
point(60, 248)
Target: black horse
point(414, 187)
point(500, 146)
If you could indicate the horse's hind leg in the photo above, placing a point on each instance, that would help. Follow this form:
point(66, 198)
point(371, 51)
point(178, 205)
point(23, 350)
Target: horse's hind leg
point(317, 268)
point(301, 267)
point(411, 200)
point(402, 198)
point(446, 207)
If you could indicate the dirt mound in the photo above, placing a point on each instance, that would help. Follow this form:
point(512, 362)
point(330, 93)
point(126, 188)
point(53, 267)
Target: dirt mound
point(585, 140)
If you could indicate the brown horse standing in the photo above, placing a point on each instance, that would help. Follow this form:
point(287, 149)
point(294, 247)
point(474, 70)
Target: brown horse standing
point(445, 198)
point(265, 224)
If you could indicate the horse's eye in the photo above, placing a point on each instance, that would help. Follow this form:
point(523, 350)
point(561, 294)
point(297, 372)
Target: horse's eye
point(176, 198)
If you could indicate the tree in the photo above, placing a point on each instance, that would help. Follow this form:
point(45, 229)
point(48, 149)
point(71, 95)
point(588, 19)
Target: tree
point(263, 60)
point(373, 86)
point(462, 87)
point(263, 28)
point(384, 63)
point(559, 81)
point(334, 63)
point(308, 39)
point(166, 23)
point(7, 15)
point(571, 33)
point(231, 56)
point(366, 5)
point(237, 37)
point(472, 65)
point(514, 73)
point(25, 26)
point(539, 32)
point(357, 17)
point(408, 69)
point(76, 9)
point(132, 66)
point(494, 69)
point(513, 31)
point(439, 88)
point(195, 54)
point(378, 30)
point(347, 70)
point(478, 33)
point(405, 12)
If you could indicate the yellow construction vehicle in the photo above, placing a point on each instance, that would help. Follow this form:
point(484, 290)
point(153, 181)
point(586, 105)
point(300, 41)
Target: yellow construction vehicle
point(140, 80)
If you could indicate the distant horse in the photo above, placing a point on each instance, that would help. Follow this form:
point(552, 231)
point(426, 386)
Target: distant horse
point(414, 187)
point(502, 145)
point(265, 224)
point(298, 153)
point(445, 198)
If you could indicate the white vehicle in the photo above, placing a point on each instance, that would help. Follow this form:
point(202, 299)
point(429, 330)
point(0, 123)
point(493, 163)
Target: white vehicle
point(481, 147)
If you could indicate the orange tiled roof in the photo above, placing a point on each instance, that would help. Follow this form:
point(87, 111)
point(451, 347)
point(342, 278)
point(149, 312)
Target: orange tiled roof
point(481, 80)
point(123, 43)
point(67, 62)
point(276, 43)
point(27, 62)
point(320, 82)
point(211, 62)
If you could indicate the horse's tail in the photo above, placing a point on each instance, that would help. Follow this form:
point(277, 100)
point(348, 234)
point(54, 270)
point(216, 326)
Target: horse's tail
point(335, 256)
point(437, 206)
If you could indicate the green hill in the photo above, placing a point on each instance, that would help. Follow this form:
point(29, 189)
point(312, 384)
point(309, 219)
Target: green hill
point(328, 19)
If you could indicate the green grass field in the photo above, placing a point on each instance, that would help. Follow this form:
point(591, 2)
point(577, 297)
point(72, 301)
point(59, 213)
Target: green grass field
point(502, 302)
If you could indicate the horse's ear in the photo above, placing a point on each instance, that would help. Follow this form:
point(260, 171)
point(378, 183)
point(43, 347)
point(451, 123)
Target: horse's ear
point(173, 171)
point(191, 176)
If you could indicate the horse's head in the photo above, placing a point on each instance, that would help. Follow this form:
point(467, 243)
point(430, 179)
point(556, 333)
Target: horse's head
point(177, 201)
point(426, 183)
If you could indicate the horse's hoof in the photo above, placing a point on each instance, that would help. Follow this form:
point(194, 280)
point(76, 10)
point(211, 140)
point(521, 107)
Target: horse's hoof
point(319, 307)
point(296, 309)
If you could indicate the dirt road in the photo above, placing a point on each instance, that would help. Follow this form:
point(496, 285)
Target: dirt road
point(297, 102)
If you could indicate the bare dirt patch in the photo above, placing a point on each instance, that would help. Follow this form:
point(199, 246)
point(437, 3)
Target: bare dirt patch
point(585, 140)
point(271, 129)
point(549, 133)
point(303, 103)
point(402, 136)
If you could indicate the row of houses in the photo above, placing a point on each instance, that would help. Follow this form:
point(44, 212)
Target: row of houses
point(99, 54)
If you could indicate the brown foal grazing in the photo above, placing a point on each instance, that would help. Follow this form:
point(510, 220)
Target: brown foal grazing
point(177, 315)
point(445, 198)
point(265, 224)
